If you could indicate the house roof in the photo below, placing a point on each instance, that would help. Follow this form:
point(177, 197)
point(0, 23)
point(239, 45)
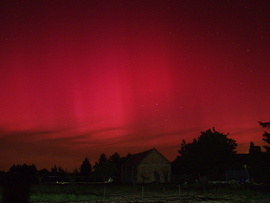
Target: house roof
point(136, 159)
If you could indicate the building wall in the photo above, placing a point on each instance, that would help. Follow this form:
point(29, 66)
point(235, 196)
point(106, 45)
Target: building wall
point(129, 174)
point(154, 168)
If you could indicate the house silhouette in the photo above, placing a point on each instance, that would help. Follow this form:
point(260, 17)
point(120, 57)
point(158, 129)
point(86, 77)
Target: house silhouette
point(146, 167)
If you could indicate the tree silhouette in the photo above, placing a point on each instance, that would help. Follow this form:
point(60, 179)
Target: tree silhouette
point(210, 154)
point(40, 175)
point(102, 158)
point(266, 135)
point(54, 171)
point(104, 168)
point(16, 184)
point(24, 172)
point(58, 173)
point(266, 156)
point(85, 168)
point(116, 162)
point(256, 163)
point(72, 177)
point(115, 159)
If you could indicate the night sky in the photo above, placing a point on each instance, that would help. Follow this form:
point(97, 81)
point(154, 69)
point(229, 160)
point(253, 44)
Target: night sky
point(79, 78)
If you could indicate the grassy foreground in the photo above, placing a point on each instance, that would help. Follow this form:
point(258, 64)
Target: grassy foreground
point(147, 193)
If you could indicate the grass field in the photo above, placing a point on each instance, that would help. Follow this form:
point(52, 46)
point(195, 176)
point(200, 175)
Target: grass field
point(148, 193)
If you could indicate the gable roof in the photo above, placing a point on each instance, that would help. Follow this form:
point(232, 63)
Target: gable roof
point(136, 159)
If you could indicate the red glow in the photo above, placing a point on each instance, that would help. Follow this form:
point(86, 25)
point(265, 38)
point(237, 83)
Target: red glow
point(79, 78)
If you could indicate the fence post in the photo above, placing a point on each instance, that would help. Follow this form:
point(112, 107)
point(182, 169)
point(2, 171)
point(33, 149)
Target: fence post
point(104, 191)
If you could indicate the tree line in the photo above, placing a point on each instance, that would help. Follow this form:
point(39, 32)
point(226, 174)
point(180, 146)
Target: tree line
point(213, 154)
point(210, 154)
point(103, 169)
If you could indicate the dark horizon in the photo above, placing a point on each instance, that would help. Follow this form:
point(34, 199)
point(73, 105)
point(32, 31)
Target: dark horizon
point(71, 168)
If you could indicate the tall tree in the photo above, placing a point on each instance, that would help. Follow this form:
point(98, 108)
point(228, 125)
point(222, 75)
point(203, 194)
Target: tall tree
point(266, 135)
point(102, 158)
point(115, 159)
point(210, 154)
point(85, 168)
point(104, 168)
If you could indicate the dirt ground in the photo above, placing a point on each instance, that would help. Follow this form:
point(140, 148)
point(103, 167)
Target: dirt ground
point(176, 198)
point(184, 198)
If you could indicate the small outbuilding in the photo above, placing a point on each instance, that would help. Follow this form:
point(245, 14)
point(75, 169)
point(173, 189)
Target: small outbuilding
point(146, 167)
